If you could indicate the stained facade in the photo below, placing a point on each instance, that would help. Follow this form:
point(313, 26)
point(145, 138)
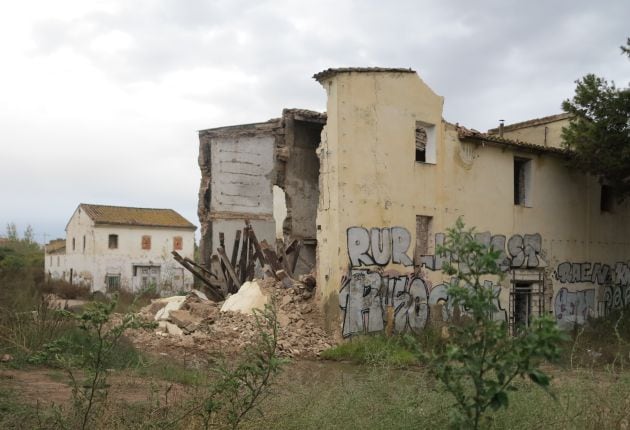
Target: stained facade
point(375, 183)
point(112, 247)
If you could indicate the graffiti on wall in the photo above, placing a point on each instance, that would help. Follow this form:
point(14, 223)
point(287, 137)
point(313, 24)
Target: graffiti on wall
point(574, 307)
point(439, 296)
point(519, 251)
point(369, 297)
point(365, 296)
point(378, 246)
point(615, 280)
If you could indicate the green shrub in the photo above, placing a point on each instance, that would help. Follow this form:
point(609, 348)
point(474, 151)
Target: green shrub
point(481, 359)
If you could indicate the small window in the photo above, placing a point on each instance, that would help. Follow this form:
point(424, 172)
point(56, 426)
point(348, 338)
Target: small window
point(606, 199)
point(112, 282)
point(73, 244)
point(51, 260)
point(57, 261)
point(178, 243)
point(425, 143)
point(83, 243)
point(113, 241)
point(522, 181)
point(421, 144)
point(146, 242)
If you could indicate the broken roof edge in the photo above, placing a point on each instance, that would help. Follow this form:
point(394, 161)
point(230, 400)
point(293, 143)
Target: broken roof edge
point(532, 122)
point(253, 127)
point(305, 115)
point(464, 133)
point(325, 74)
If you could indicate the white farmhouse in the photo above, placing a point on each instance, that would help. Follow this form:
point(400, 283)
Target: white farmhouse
point(111, 247)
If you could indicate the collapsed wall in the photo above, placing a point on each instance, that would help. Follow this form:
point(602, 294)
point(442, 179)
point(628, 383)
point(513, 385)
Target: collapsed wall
point(241, 164)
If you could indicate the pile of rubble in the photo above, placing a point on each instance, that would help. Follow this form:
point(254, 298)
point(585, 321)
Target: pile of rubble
point(192, 325)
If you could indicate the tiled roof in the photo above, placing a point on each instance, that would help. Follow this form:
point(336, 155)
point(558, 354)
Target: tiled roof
point(531, 122)
point(324, 74)
point(55, 245)
point(119, 215)
point(465, 133)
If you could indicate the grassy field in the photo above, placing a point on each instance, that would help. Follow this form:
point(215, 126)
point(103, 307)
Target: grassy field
point(321, 395)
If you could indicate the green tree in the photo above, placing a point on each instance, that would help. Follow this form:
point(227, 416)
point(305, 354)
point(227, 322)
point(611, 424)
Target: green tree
point(29, 235)
point(599, 131)
point(481, 360)
point(12, 231)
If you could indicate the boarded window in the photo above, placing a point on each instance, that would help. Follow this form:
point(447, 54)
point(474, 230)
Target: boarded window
point(146, 242)
point(113, 241)
point(421, 144)
point(606, 199)
point(522, 181)
point(423, 232)
point(178, 243)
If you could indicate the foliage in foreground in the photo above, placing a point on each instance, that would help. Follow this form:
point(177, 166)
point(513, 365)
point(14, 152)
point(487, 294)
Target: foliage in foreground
point(481, 360)
point(237, 389)
point(599, 131)
point(376, 350)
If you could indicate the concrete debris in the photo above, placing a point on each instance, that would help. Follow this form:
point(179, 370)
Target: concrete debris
point(169, 304)
point(200, 328)
point(185, 320)
point(199, 294)
point(248, 298)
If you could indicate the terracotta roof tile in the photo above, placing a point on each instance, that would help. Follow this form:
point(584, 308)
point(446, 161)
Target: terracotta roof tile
point(531, 122)
point(147, 217)
point(55, 245)
point(465, 133)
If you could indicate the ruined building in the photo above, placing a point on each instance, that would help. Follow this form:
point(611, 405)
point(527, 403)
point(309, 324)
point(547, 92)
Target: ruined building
point(372, 185)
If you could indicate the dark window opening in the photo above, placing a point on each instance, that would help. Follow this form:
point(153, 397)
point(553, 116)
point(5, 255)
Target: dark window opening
point(606, 199)
point(522, 305)
point(73, 244)
point(84, 243)
point(421, 145)
point(522, 169)
point(113, 241)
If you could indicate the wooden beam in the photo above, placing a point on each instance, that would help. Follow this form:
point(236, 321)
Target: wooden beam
point(228, 266)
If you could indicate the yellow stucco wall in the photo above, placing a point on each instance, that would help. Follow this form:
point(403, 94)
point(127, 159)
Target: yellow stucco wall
point(369, 178)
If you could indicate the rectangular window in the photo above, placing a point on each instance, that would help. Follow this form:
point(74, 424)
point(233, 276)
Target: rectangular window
point(51, 260)
point(522, 181)
point(57, 261)
point(423, 232)
point(113, 241)
point(73, 244)
point(425, 143)
point(146, 242)
point(112, 282)
point(84, 244)
point(606, 199)
point(421, 144)
point(178, 243)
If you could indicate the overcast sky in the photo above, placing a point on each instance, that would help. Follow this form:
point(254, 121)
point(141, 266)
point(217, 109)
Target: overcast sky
point(100, 101)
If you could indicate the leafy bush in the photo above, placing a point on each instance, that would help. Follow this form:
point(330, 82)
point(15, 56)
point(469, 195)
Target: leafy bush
point(481, 360)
